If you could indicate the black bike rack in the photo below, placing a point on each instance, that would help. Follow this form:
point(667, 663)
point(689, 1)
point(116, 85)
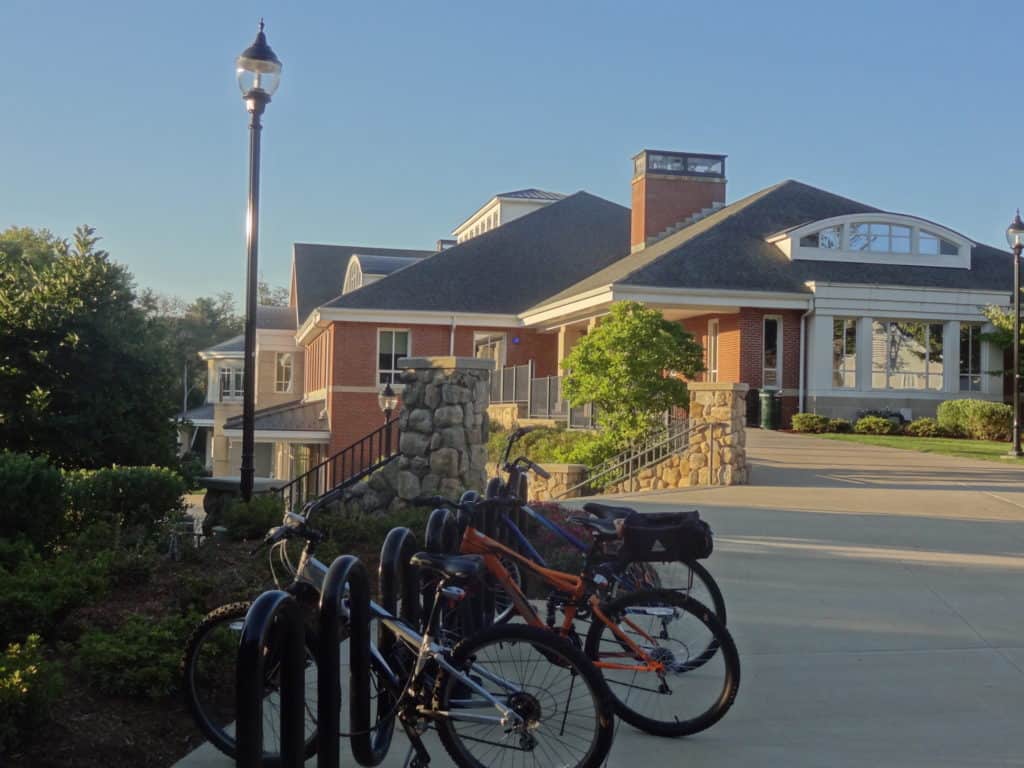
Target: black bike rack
point(277, 612)
point(398, 578)
point(442, 538)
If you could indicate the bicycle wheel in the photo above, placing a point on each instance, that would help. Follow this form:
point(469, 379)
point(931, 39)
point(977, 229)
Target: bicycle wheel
point(688, 577)
point(208, 671)
point(692, 692)
point(567, 716)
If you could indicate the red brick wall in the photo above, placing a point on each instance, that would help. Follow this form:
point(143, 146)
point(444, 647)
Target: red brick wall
point(661, 201)
point(728, 343)
point(354, 364)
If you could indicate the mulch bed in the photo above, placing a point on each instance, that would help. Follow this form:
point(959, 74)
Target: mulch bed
point(92, 730)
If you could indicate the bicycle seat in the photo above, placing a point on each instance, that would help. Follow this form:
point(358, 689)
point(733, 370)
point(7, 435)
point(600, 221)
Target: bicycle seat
point(604, 529)
point(607, 511)
point(461, 567)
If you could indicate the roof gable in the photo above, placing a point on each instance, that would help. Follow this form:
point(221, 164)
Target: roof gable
point(510, 268)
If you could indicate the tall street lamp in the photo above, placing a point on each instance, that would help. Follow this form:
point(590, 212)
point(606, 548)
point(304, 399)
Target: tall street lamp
point(259, 73)
point(1015, 238)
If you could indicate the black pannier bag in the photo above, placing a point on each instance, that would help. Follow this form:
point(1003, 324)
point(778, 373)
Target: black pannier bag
point(665, 537)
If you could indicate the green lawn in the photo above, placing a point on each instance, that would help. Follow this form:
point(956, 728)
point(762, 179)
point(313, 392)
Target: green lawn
point(968, 449)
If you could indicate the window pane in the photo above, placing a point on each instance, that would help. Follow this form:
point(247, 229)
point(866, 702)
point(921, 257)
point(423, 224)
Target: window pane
point(844, 352)
point(928, 244)
point(860, 239)
point(900, 244)
point(879, 353)
point(935, 365)
point(771, 343)
point(830, 238)
point(387, 340)
point(949, 249)
point(401, 344)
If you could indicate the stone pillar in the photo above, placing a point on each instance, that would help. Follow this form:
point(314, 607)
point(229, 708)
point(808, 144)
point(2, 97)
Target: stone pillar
point(443, 426)
point(718, 454)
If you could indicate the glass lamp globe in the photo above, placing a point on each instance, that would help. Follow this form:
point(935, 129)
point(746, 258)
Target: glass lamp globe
point(258, 67)
point(387, 399)
point(1015, 232)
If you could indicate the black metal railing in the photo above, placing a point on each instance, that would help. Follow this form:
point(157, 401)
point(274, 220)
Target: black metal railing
point(353, 462)
point(539, 396)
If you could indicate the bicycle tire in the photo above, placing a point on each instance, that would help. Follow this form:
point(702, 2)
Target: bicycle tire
point(704, 588)
point(200, 696)
point(603, 645)
point(550, 649)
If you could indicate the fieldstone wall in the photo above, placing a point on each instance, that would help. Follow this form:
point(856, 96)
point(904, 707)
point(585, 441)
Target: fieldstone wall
point(563, 477)
point(716, 452)
point(505, 415)
point(443, 426)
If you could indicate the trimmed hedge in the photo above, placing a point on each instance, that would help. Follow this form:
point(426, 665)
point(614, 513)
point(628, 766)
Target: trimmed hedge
point(875, 425)
point(253, 520)
point(126, 497)
point(810, 422)
point(976, 419)
point(33, 499)
point(926, 427)
point(813, 423)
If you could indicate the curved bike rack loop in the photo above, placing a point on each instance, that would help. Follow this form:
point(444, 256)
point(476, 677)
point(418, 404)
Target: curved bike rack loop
point(369, 747)
point(270, 609)
point(398, 579)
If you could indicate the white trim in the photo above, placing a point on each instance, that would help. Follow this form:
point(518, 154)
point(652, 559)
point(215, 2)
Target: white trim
point(565, 308)
point(207, 355)
point(291, 373)
point(323, 316)
point(778, 351)
point(288, 436)
point(712, 370)
point(198, 422)
point(910, 303)
point(376, 361)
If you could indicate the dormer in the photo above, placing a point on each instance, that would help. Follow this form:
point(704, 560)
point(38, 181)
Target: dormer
point(503, 208)
point(876, 238)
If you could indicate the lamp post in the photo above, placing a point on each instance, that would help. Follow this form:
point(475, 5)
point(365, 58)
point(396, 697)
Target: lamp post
point(259, 73)
point(388, 401)
point(1015, 239)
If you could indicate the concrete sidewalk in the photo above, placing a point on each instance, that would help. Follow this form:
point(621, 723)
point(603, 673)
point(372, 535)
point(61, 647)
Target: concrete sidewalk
point(877, 600)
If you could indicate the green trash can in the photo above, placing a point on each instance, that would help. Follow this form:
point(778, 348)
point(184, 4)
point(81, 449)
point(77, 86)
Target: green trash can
point(770, 409)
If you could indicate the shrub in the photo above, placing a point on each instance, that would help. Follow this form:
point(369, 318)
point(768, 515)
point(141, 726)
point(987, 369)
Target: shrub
point(840, 426)
point(138, 498)
point(810, 422)
point(926, 427)
point(33, 499)
point(875, 425)
point(253, 519)
point(976, 419)
point(557, 445)
point(139, 658)
point(885, 413)
point(37, 595)
point(28, 684)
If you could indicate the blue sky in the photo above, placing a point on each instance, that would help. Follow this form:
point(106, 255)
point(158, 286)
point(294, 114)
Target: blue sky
point(394, 121)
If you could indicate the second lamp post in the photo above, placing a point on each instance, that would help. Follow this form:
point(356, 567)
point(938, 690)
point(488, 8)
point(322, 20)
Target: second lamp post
point(1015, 238)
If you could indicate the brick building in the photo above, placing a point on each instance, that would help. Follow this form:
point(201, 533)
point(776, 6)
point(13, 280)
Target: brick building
point(836, 305)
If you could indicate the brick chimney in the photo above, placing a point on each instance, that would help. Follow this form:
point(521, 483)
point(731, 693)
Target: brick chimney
point(669, 187)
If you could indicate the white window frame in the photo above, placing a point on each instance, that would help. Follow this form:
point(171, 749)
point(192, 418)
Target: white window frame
point(844, 371)
point(277, 372)
point(928, 374)
point(492, 337)
point(712, 351)
point(979, 374)
point(778, 353)
point(237, 374)
point(408, 352)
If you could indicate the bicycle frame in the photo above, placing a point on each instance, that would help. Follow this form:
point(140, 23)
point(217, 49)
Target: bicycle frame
point(474, 542)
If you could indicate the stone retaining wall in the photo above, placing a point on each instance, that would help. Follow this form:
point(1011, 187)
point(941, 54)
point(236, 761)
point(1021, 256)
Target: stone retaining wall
point(563, 477)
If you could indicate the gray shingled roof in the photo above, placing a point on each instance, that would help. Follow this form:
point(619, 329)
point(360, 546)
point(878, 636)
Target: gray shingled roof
point(296, 416)
point(275, 318)
point(532, 194)
point(234, 344)
point(200, 412)
point(320, 271)
point(511, 267)
point(384, 265)
point(727, 251)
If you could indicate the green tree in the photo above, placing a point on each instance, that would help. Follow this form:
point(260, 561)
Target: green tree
point(622, 368)
point(83, 374)
point(271, 295)
point(1001, 334)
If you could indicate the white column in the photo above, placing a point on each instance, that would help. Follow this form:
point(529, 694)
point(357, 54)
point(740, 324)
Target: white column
point(951, 356)
point(864, 354)
point(819, 354)
point(991, 359)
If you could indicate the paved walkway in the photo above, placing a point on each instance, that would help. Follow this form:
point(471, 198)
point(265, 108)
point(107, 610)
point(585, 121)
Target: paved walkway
point(877, 599)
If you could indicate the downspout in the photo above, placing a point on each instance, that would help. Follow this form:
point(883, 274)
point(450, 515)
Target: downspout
point(451, 338)
point(803, 354)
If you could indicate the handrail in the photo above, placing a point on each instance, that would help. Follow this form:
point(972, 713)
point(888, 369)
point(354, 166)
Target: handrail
point(655, 448)
point(353, 462)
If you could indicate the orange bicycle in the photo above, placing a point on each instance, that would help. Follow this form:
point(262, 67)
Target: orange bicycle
point(672, 667)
